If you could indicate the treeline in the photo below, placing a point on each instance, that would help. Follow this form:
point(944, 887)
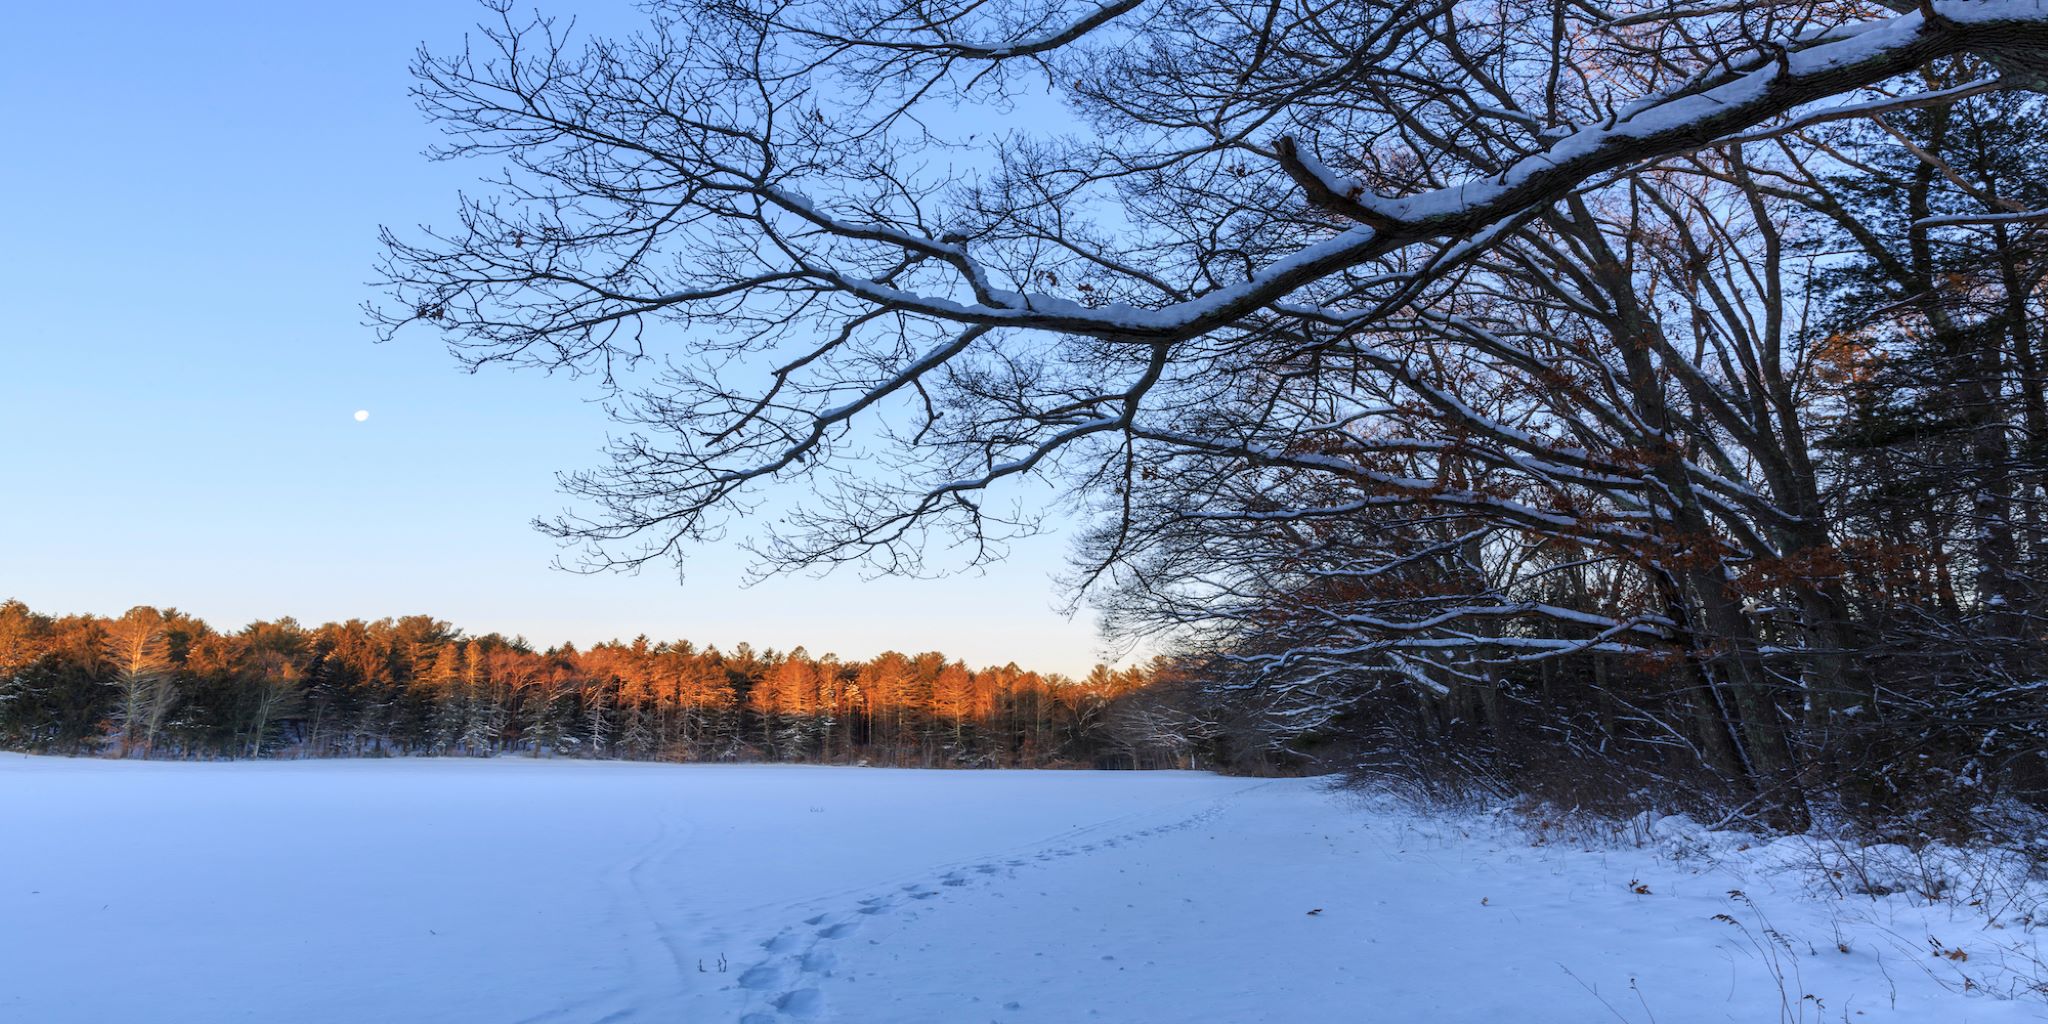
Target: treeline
point(163, 684)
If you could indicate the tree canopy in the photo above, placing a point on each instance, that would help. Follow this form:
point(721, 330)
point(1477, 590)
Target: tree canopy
point(1640, 385)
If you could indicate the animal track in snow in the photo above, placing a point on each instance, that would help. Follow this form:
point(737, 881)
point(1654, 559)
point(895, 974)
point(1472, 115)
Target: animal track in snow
point(801, 969)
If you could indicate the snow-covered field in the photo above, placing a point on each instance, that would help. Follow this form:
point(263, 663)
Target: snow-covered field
point(556, 891)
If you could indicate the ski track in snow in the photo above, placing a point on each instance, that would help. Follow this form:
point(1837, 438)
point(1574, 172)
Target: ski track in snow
point(640, 910)
point(633, 912)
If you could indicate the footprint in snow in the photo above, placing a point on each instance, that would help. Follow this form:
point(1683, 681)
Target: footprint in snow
point(760, 977)
point(803, 1002)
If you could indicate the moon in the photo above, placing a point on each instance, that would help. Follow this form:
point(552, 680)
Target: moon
point(362, 414)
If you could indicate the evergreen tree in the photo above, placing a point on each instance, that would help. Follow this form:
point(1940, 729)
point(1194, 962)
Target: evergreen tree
point(138, 648)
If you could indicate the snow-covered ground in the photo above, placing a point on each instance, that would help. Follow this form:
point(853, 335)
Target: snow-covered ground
point(555, 891)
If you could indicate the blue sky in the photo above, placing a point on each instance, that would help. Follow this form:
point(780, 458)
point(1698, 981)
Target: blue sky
point(194, 195)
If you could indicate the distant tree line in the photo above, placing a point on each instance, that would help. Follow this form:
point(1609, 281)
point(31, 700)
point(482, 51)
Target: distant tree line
point(162, 684)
